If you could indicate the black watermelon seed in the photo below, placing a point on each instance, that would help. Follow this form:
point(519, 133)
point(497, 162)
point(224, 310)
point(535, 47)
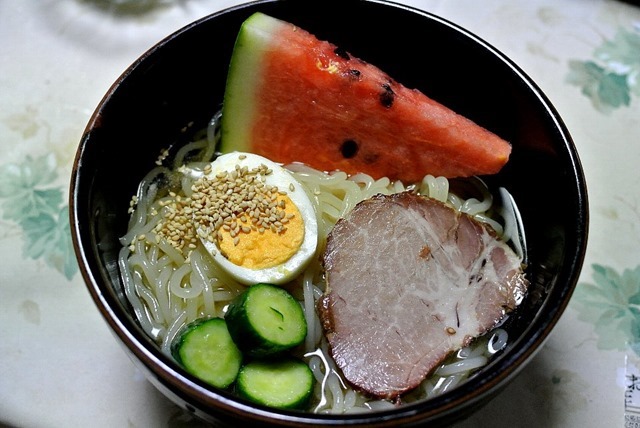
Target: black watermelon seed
point(387, 95)
point(354, 74)
point(349, 149)
point(342, 53)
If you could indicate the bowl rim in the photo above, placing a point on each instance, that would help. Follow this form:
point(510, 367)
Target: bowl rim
point(190, 389)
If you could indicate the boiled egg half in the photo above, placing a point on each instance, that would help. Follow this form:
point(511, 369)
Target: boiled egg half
point(254, 218)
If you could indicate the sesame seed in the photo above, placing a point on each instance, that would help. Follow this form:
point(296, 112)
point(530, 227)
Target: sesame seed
point(235, 202)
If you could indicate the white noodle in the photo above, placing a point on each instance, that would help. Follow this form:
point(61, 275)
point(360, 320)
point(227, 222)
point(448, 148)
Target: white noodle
point(176, 281)
point(162, 292)
point(208, 299)
point(172, 331)
point(167, 289)
point(462, 366)
point(498, 340)
point(309, 310)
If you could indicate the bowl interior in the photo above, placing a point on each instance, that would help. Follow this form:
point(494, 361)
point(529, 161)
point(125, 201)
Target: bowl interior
point(177, 86)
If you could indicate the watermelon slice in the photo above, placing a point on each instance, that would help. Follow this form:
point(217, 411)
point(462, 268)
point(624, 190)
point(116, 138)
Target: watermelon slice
point(291, 97)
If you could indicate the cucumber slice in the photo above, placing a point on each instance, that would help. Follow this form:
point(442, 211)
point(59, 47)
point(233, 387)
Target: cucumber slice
point(284, 384)
point(206, 350)
point(266, 320)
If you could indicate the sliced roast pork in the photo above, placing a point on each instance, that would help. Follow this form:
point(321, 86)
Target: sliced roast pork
point(410, 280)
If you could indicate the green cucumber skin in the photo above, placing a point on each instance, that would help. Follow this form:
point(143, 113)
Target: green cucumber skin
point(233, 355)
point(281, 391)
point(250, 341)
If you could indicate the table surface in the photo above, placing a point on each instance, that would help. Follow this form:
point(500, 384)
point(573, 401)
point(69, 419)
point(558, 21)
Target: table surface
point(61, 367)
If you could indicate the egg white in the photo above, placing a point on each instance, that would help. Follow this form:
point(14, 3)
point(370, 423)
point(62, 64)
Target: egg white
point(283, 179)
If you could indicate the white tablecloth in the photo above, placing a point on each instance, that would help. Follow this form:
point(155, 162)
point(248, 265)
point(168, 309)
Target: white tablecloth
point(59, 364)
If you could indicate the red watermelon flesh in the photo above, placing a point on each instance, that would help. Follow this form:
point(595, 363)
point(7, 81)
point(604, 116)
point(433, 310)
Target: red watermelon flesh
point(291, 97)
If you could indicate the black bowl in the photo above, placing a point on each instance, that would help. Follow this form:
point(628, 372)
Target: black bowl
point(178, 85)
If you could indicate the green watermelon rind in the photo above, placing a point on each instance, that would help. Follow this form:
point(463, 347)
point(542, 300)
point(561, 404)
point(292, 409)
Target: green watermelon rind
point(239, 104)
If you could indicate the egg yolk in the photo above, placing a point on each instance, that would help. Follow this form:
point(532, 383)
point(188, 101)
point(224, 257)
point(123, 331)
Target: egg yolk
point(257, 248)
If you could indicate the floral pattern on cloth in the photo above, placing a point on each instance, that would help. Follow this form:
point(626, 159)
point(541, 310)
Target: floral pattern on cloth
point(612, 304)
point(612, 77)
point(28, 200)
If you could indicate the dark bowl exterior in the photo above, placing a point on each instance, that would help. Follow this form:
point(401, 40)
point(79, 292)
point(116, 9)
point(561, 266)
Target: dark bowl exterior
point(178, 85)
